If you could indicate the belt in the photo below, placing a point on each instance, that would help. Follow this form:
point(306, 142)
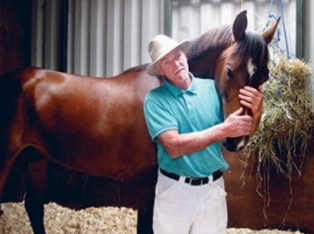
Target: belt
point(193, 181)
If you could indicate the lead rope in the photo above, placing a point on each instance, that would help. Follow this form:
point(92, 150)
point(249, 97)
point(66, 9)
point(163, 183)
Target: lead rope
point(271, 15)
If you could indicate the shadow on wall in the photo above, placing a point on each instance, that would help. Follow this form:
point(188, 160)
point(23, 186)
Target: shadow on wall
point(15, 34)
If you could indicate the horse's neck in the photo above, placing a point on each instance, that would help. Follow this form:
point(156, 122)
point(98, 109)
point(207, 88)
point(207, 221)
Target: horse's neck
point(205, 50)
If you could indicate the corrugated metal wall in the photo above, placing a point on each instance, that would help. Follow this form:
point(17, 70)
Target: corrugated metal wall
point(45, 28)
point(106, 37)
point(191, 18)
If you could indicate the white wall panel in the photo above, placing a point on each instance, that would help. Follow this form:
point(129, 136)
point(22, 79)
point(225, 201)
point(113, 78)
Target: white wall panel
point(37, 43)
point(191, 18)
point(114, 39)
point(106, 37)
point(81, 37)
point(45, 27)
point(131, 33)
point(51, 36)
point(308, 38)
point(97, 34)
point(151, 24)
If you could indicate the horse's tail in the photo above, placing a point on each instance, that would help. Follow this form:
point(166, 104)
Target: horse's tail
point(10, 92)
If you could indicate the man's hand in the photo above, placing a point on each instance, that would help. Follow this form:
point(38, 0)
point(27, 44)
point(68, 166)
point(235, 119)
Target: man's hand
point(253, 99)
point(237, 125)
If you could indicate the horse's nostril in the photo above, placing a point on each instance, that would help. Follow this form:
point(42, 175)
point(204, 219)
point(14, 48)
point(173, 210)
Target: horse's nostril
point(229, 144)
point(235, 144)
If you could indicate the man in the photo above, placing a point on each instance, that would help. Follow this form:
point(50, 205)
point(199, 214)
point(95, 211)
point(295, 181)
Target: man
point(184, 117)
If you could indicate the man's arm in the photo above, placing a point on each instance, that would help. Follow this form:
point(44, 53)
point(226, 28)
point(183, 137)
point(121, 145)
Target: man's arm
point(180, 144)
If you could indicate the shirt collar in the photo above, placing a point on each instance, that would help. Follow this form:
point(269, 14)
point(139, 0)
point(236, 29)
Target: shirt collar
point(176, 91)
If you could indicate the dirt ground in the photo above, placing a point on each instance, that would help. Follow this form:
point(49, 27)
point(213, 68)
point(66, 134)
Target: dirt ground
point(107, 220)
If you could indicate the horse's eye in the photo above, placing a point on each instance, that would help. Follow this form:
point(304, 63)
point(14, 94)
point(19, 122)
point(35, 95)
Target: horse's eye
point(229, 73)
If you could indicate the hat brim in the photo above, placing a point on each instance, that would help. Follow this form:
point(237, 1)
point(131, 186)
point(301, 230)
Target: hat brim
point(184, 45)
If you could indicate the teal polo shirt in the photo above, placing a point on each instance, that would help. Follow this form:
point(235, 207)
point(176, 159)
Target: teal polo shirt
point(169, 107)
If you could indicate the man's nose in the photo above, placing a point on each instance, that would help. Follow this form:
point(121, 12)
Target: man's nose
point(176, 62)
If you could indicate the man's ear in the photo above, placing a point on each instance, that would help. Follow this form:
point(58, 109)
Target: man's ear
point(158, 70)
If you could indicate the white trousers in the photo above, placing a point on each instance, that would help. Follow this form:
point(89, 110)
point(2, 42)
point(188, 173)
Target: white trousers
point(181, 208)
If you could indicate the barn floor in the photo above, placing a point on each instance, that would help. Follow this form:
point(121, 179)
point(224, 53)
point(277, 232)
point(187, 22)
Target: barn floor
point(60, 220)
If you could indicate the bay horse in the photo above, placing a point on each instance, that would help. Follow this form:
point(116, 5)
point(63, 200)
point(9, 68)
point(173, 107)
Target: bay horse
point(96, 126)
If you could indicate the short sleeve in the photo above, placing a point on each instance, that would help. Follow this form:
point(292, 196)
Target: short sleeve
point(158, 118)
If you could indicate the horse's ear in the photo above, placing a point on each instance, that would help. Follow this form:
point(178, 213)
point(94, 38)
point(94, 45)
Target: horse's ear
point(268, 34)
point(239, 26)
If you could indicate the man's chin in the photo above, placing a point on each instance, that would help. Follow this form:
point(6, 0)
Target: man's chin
point(183, 75)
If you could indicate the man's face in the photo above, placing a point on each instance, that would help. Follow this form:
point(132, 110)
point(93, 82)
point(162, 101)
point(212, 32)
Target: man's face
point(174, 66)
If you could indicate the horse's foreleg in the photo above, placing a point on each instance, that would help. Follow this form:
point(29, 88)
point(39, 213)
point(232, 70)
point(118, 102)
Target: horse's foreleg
point(145, 219)
point(145, 210)
point(36, 185)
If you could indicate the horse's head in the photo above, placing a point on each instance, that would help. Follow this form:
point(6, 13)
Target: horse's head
point(243, 62)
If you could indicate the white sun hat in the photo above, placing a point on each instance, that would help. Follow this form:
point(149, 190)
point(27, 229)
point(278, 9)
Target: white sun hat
point(160, 46)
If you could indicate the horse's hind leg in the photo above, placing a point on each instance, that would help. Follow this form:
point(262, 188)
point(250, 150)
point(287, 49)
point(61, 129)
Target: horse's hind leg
point(35, 211)
point(36, 185)
point(145, 220)
point(5, 167)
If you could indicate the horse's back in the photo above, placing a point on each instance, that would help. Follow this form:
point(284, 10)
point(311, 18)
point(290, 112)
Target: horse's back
point(88, 124)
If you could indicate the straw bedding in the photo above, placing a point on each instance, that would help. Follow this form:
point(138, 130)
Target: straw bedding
point(106, 220)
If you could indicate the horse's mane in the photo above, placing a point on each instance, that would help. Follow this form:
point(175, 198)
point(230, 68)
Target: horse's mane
point(254, 46)
point(217, 37)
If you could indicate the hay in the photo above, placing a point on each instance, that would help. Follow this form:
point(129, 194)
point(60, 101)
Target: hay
point(110, 220)
point(287, 122)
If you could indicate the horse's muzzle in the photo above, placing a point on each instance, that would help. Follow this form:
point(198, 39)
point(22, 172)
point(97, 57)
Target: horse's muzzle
point(235, 144)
